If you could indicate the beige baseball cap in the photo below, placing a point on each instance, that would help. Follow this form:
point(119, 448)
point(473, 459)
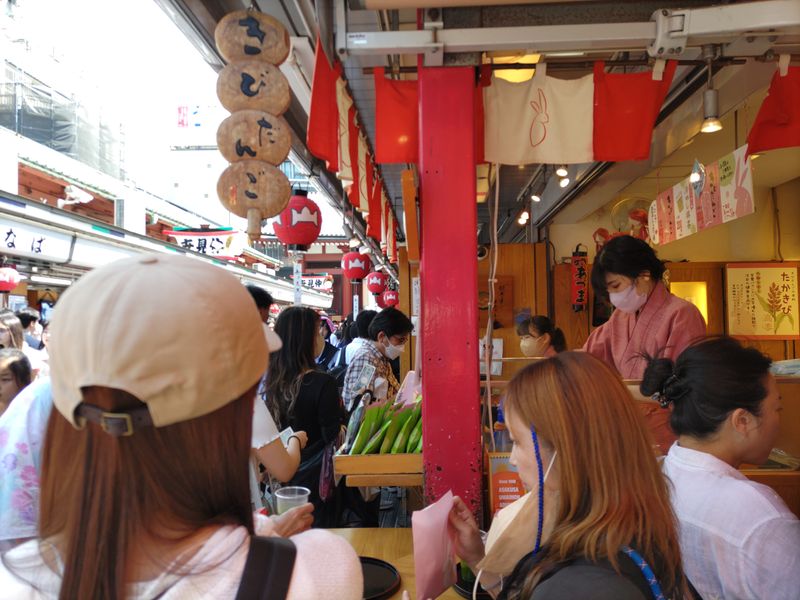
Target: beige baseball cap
point(178, 333)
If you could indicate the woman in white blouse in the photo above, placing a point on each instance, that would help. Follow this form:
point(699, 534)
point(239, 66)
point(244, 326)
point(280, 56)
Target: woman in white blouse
point(738, 538)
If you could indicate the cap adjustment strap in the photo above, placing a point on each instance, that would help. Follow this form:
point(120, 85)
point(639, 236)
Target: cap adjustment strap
point(118, 424)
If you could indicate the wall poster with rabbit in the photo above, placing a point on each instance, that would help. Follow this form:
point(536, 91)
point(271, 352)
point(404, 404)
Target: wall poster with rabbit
point(723, 192)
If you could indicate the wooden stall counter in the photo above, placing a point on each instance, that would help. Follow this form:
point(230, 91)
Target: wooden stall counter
point(402, 470)
point(395, 546)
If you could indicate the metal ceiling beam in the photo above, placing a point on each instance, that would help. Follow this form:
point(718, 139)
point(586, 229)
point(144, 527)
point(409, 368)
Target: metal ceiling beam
point(669, 32)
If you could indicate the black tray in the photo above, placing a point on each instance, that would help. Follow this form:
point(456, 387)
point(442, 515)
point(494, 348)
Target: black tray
point(381, 579)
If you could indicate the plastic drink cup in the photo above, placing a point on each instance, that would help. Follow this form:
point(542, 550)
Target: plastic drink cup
point(289, 497)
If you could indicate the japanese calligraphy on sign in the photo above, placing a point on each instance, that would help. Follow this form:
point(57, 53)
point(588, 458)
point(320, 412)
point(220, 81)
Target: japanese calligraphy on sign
point(24, 240)
point(321, 282)
point(762, 300)
point(725, 193)
point(221, 243)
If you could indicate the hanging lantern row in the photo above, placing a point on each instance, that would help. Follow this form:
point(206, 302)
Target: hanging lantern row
point(299, 224)
point(376, 282)
point(390, 298)
point(255, 139)
point(356, 266)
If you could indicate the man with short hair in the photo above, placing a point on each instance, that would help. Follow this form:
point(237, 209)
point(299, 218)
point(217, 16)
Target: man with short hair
point(388, 333)
point(263, 300)
point(29, 317)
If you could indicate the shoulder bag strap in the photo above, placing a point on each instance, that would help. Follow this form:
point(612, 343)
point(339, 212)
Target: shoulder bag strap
point(268, 569)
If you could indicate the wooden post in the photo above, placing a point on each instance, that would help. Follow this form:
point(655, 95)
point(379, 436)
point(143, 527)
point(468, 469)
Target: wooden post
point(452, 449)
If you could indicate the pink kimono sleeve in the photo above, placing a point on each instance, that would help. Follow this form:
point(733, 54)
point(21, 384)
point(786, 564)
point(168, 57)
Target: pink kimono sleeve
point(687, 326)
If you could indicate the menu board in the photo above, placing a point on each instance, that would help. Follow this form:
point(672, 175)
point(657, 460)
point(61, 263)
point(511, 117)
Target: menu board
point(762, 300)
point(723, 193)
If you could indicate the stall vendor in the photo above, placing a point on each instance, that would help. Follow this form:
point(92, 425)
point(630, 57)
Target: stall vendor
point(538, 337)
point(649, 320)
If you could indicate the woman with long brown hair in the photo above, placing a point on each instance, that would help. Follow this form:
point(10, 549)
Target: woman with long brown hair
point(144, 486)
point(606, 529)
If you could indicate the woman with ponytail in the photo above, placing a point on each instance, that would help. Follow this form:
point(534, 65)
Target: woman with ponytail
point(738, 539)
point(604, 528)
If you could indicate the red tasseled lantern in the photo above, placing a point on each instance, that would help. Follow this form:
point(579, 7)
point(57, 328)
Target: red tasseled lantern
point(390, 298)
point(356, 266)
point(376, 282)
point(9, 279)
point(298, 224)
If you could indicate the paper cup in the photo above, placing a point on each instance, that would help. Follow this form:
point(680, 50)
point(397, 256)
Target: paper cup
point(287, 498)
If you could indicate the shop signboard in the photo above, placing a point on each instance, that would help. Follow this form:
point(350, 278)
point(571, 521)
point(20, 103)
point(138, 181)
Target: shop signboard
point(505, 484)
point(724, 192)
point(223, 243)
point(762, 300)
point(19, 239)
point(320, 281)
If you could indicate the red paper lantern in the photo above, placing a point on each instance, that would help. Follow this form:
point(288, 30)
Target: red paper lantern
point(298, 224)
point(9, 279)
point(356, 265)
point(390, 298)
point(376, 282)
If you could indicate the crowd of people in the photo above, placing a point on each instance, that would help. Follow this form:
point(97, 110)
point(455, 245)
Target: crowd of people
point(142, 462)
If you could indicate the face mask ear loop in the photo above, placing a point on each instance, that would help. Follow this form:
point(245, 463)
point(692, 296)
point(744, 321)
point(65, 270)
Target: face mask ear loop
point(540, 522)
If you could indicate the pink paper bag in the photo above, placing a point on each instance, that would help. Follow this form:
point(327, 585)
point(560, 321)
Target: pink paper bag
point(434, 558)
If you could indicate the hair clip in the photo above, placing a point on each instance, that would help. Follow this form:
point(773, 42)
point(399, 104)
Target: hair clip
point(662, 400)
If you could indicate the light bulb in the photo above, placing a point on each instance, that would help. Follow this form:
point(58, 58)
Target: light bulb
point(562, 171)
point(711, 125)
point(525, 215)
point(536, 198)
point(694, 177)
point(522, 221)
point(564, 182)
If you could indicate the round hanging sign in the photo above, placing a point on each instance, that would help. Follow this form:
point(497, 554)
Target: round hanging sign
point(356, 265)
point(253, 190)
point(390, 298)
point(246, 34)
point(376, 282)
point(254, 134)
point(253, 85)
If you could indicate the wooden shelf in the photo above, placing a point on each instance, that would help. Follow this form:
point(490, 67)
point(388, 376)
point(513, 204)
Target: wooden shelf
point(402, 470)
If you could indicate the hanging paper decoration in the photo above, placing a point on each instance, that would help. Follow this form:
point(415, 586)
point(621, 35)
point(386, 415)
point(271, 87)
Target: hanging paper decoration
point(721, 191)
point(390, 298)
point(9, 279)
point(257, 93)
point(299, 224)
point(396, 119)
point(356, 266)
point(578, 278)
point(376, 282)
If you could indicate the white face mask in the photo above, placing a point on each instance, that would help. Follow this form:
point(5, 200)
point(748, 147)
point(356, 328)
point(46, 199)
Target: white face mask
point(391, 351)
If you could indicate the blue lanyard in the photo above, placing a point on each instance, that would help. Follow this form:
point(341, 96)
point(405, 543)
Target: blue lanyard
point(651, 578)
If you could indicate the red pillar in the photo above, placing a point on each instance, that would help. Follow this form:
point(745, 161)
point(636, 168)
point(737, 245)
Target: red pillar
point(449, 285)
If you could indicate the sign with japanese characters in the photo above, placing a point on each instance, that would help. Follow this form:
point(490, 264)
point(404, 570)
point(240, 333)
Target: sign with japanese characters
point(35, 242)
point(762, 300)
point(219, 243)
point(320, 281)
point(723, 192)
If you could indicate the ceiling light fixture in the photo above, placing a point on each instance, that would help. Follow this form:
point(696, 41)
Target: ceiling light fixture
point(711, 122)
point(525, 215)
point(562, 171)
point(564, 182)
point(536, 198)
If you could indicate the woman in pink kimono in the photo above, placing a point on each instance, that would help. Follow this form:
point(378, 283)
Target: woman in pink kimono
point(648, 320)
